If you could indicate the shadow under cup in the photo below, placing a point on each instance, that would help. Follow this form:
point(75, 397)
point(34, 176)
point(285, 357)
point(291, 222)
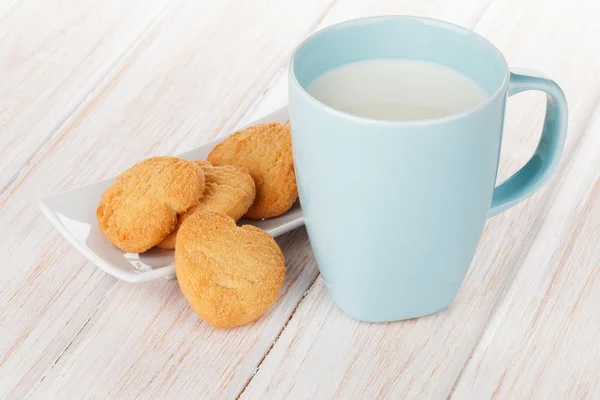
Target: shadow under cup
point(394, 210)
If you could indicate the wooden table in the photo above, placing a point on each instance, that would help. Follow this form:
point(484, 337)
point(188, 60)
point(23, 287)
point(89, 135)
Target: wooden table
point(89, 87)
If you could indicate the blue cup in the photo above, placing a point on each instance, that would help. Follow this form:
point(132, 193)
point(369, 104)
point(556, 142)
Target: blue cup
point(395, 210)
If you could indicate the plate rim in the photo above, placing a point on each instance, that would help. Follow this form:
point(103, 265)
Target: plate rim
point(162, 272)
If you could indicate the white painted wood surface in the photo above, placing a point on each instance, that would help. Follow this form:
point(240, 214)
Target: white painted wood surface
point(90, 87)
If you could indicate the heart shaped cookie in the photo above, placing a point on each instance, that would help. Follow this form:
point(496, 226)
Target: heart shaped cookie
point(227, 189)
point(140, 208)
point(266, 151)
point(230, 275)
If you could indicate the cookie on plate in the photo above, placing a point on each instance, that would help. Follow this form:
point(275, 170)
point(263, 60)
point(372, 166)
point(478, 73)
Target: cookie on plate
point(230, 275)
point(227, 189)
point(266, 151)
point(140, 208)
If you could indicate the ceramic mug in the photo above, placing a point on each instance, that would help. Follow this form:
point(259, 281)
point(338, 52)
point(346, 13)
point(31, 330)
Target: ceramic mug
point(395, 210)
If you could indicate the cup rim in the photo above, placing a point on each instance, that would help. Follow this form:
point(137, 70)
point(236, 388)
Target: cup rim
point(436, 22)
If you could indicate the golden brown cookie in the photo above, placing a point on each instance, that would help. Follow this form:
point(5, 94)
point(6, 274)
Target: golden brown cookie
point(266, 150)
point(230, 275)
point(227, 189)
point(140, 208)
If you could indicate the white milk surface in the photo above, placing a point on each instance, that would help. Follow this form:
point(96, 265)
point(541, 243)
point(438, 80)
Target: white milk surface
point(397, 90)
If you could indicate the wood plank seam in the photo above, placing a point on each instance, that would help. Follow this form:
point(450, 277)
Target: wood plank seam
point(543, 205)
point(571, 225)
point(240, 113)
point(113, 72)
point(277, 337)
point(478, 18)
point(230, 126)
point(260, 98)
point(276, 78)
point(57, 133)
point(272, 81)
point(553, 187)
point(106, 295)
point(514, 262)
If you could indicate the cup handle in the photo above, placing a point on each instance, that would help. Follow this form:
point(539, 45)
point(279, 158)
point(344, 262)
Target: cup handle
point(540, 166)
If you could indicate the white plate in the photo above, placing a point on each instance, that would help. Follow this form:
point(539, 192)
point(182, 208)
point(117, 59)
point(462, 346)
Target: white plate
point(73, 213)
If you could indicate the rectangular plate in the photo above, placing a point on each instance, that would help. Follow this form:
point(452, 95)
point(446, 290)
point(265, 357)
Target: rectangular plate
point(73, 213)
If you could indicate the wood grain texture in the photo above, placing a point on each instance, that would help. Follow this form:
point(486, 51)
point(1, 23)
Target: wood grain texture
point(53, 55)
point(542, 338)
point(97, 86)
point(154, 346)
point(464, 12)
point(189, 78)
point(322, 353)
